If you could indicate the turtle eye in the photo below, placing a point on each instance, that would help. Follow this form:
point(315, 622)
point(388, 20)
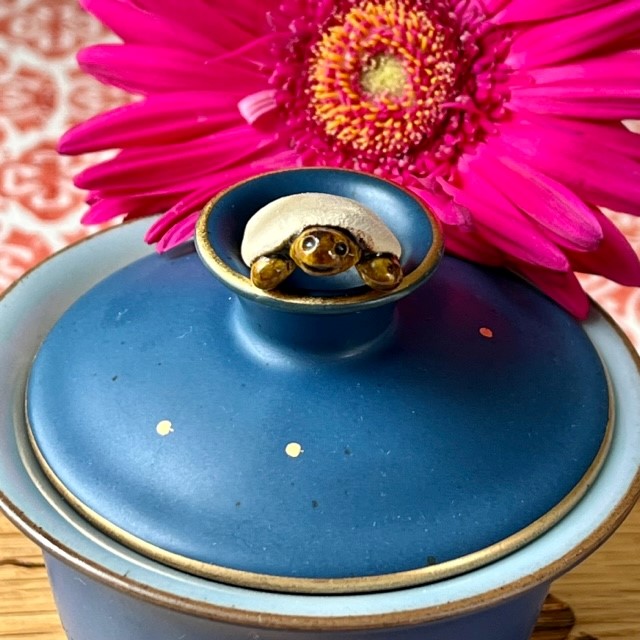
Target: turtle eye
point(341, 249)
point(310, 243)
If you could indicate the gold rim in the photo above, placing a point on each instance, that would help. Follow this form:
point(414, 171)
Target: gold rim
point(242, 285)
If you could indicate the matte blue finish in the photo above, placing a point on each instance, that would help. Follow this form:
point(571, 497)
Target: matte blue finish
point(423, 441)
point(92, 611)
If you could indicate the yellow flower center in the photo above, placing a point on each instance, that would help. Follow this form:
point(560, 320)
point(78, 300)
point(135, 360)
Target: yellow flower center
point(385, 76)
point(380, 76)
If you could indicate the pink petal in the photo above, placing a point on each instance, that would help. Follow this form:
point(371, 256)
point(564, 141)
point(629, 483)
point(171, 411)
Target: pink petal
point(562, 287)
point(615, 26)
point(212, 20)
point(606, 71)
point(137, 26)
point(529, 11)
point(466, 244)
point(579, 156)
point(127, 66)
point(193, 201)
point(208, 187)
point(182, 210)
point(132, 207)
point(614, 259)
point(255, 106)
point(178, 224)
point(494, 6)
point(602, 106)
point(544, 200)
point(448, 212)
point(181, 232)
point(245, 12)
point(604, 87)
point(142, 169)
point(160, 119)
point(256, 53)
point(501, 224)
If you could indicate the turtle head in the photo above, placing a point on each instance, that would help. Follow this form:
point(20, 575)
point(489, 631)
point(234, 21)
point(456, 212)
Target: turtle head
point(324, 251)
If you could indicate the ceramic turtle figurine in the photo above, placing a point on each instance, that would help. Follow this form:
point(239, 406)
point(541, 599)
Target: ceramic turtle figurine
point(323, 235)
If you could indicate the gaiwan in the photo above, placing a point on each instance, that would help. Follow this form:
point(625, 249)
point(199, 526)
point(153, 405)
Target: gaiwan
point(200, 457)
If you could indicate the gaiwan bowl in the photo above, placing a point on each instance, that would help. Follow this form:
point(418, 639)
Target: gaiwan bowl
point(201, 460)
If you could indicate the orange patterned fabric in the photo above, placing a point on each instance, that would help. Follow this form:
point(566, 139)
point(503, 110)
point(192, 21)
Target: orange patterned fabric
point(42, 93)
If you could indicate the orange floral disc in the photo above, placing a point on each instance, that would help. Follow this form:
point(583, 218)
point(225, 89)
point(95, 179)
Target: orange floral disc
point(380, 76)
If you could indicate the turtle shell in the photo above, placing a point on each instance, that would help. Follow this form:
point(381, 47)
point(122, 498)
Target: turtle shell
point(272, 227)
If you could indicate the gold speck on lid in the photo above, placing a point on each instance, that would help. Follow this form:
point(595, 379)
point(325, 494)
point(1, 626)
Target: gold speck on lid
point(294, 449)
point(164, 428)
point(485, 332)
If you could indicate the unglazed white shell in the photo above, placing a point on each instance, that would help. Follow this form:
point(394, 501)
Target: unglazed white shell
point(277, 223)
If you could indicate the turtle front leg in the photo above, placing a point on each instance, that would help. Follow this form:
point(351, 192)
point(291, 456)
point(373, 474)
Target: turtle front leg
point(382, 271)
point(267, 272)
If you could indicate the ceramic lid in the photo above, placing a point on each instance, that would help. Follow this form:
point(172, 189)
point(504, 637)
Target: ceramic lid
point(365, 448)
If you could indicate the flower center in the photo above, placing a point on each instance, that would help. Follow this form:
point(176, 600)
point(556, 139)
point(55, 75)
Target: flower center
point(385, 76)
point(380, 75)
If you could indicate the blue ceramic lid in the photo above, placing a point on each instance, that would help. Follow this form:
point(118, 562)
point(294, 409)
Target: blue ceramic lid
point(365, 446)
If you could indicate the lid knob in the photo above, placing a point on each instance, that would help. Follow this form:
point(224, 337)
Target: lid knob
point(324, 235)
point(320, 239)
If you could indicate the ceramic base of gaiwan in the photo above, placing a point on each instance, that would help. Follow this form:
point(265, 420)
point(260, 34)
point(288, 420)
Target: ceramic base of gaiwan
point(105, 589)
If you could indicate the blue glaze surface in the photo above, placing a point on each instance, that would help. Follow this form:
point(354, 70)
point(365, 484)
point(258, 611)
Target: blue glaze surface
point(422, 440)
point(92, 611)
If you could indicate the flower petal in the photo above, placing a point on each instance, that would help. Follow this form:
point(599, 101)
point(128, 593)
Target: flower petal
point(132, 171)
point(602, 88)
point(562, 287)
point(617, 69)
point(501, 224)
point(178, 224)
point(209, 186)
point(465, 243)
point(131, 207)
point(594, 160)
point(528, 11)
point(256, 105)
point(614, 26)
point(137, 26)
point(162, 230)
point(495, 6)
point(544, 200)
point(213, 21)
point(614, 258)
point(244, 12)
point(448, 211)
point(127, 66)
point(182, 231)
point(161, 119)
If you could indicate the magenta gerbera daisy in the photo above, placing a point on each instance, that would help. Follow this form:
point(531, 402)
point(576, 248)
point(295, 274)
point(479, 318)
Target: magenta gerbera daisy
point(505, 116)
